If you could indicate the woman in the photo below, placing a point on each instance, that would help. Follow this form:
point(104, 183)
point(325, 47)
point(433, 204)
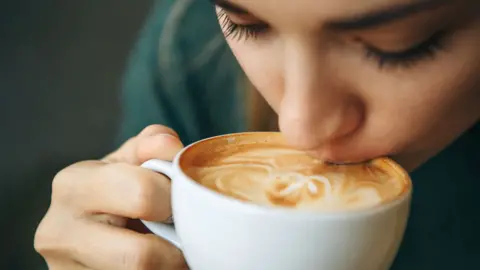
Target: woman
point(349, 81)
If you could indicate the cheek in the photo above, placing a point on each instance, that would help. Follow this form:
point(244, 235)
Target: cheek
point(263, 65)
point(416, 109)
point(426, 106)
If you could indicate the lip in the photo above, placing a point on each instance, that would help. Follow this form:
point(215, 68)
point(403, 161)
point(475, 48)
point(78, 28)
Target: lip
point(344, 155)
point(339, 159)
point(346, 163)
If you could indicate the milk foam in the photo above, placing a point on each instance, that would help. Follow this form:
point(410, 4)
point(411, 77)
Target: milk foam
point(284, 177)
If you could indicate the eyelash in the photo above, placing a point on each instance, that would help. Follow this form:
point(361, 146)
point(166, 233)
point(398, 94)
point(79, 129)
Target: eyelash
point(427, 49)
point(238, 31)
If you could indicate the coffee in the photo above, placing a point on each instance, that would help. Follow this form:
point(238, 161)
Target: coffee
point(211, 177)
point(261, 168)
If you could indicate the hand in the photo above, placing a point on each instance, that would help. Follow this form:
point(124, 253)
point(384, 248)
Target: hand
point(94, 202)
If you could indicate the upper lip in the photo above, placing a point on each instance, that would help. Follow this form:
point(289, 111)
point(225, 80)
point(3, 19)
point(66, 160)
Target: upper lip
point(338, 160)
point(346, 162)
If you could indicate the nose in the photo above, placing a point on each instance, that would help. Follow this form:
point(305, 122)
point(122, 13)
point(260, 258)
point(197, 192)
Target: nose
point(317, 107)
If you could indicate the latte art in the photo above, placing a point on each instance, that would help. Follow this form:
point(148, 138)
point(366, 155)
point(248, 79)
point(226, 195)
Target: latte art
point(275, 175)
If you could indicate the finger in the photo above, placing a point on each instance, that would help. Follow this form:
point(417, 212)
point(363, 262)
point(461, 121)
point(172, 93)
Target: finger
point(99, 246)
point(160, 146)
point(125, 153)
point(119, 189)
point(157, 129)
point(49, 240)
point(155, 141)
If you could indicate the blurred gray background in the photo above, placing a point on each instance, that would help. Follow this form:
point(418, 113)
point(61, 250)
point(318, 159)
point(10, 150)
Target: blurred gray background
point(61, 64)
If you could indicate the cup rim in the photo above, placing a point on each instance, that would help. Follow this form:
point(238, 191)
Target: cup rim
point(290, 213)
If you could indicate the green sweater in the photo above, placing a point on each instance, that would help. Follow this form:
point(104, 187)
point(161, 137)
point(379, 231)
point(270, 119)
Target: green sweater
point(190, 85)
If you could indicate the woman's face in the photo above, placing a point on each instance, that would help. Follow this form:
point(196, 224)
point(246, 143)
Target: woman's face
point(352, 80)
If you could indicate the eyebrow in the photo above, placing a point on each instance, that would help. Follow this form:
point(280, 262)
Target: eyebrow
point(362, 22)
point(386, 16)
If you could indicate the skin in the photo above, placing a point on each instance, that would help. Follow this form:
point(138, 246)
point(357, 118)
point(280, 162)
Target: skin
point(311, 66)
point(342, 106)
point(92, 222)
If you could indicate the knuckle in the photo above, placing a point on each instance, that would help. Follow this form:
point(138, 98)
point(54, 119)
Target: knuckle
point(41, 239)
point(63, 184)
point(47, 238)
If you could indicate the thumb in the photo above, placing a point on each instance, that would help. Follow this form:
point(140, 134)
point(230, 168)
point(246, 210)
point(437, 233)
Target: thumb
point(159, 146)
point(154, 142)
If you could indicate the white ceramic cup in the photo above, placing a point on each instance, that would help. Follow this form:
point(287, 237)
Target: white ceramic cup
point(216, 232)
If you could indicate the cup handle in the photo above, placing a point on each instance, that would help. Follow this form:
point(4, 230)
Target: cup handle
point(165, 231)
